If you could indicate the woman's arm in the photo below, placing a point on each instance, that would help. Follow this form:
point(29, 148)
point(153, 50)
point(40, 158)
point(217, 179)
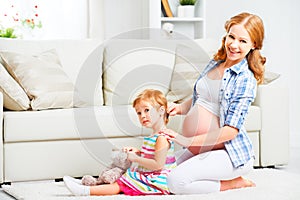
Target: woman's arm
point(217, 136)
point(179, 109)
point(161, 149)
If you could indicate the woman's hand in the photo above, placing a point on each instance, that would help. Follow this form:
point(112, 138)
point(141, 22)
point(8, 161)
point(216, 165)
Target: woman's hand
point(176, 137)
point(173, 108)
point(169, 133)
point(179, 109)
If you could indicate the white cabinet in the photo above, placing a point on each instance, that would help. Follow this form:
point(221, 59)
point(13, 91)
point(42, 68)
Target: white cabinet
point(193, 27)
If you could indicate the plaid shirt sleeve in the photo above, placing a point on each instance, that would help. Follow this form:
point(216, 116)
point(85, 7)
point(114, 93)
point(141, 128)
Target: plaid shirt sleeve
point(239, 96)
point(237, 92)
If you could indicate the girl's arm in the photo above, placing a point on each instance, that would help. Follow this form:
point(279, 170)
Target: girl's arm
point(179, 109)
point(157, 163)
point(217, 136)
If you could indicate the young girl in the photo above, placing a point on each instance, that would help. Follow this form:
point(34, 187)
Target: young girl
point(155, 159)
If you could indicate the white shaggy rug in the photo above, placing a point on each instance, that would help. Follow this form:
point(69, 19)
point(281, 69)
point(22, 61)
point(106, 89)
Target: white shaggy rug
point(270, 184)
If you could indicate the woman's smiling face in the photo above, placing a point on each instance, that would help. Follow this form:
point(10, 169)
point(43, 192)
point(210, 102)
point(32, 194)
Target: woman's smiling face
point(238, 43)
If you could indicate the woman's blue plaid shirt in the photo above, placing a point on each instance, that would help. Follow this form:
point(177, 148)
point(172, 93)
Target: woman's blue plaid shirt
point(237, 92)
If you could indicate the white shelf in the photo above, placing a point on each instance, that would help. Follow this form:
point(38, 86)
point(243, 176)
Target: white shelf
point(191, 27)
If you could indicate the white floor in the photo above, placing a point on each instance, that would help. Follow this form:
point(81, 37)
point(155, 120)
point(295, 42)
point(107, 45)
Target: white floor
point(292, 167)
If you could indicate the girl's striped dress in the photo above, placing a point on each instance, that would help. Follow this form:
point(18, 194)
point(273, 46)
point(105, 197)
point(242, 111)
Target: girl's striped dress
point(143, 181)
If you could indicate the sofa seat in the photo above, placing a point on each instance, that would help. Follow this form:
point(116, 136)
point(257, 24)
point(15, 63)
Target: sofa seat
point(61, 130)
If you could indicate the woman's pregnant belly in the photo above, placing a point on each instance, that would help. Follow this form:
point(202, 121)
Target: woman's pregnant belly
point(199, 121)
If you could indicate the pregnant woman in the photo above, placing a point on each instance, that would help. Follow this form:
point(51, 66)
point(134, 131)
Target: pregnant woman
point(218, 150)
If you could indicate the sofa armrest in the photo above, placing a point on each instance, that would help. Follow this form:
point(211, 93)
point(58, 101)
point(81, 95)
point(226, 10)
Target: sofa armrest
point(274, 135)
point(1, 137)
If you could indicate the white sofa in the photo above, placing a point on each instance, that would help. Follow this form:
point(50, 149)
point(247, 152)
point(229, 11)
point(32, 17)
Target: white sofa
point(51, 143)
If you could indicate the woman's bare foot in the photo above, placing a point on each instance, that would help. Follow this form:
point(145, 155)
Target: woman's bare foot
point(236, 183)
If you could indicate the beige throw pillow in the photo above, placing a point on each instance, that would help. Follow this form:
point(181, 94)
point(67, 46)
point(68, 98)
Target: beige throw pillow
point(13, 95)
point(132, 65)
point(43, 79)
point(270, 77)
point(190, 61)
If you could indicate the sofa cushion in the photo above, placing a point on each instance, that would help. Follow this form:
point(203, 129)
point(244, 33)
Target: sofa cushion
point(72, 123)
point(80, 59)
point(42, 78)
point(191, 59)
point(131, 65)
point(13, 95)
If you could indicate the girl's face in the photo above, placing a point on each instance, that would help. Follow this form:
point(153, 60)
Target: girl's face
point(148, 115)
point(238, 43)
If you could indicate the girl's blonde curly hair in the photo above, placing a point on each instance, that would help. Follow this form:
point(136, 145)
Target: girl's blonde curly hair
point(156, 98)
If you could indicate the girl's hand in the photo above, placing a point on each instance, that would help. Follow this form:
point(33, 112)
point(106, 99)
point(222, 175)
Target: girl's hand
point(176, 137)
point(131, 149)
point(173, 108)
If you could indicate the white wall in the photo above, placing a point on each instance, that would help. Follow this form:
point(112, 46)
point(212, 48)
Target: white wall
point(64, 19)
point(60, 18)
point(282, 30)
point(295, 67)
point(276, 28)
point(123, 15)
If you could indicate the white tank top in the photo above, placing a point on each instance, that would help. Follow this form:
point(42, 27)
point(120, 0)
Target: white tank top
point(208, 94)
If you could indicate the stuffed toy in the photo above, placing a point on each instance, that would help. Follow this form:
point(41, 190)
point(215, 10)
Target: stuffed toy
point(119, 165)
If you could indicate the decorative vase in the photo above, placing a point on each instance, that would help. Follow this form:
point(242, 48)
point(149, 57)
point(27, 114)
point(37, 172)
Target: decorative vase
point(185, 11)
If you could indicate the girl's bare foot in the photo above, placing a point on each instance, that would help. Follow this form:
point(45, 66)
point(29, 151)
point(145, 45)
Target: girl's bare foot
point(236, 183)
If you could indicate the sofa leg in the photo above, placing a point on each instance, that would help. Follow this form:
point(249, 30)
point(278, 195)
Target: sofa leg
point(5, 183)
point(58, 179)
point(262, 167)
point(61, 179)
